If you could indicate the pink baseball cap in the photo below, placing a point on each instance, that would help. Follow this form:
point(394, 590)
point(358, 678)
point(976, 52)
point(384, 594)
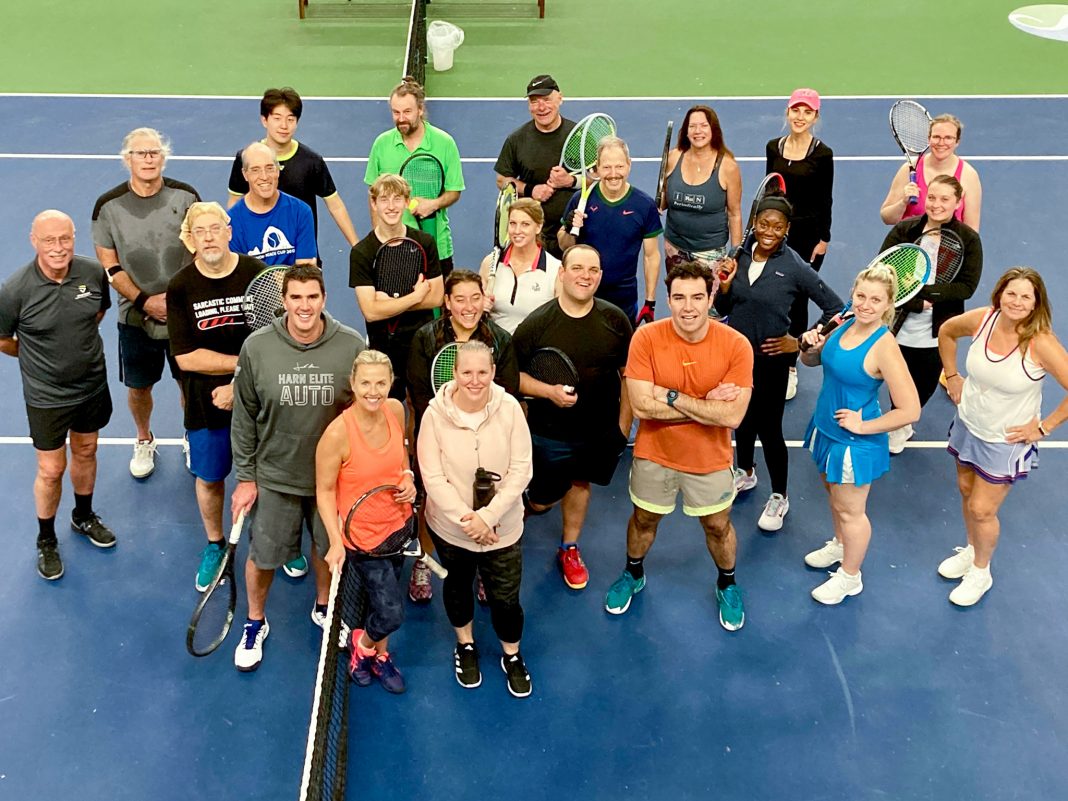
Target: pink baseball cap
point(805, 97)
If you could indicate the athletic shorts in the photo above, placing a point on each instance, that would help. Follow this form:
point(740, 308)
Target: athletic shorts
point(654, 487)
point(278, 521)
point(558, 464)
point(994, 462)
point(141, 358)
point(49, 427)
point(210, 458)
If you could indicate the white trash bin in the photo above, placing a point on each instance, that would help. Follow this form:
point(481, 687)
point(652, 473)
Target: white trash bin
point(442, 39)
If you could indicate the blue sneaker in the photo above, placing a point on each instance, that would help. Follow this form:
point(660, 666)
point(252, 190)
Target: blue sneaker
point(359, 666)
point(210, 561)
point(731, 608)
point(296, 568)
point(619, 596)
point(387, 674)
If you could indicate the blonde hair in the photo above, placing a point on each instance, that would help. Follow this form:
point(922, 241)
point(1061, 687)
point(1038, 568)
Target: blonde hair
point(194, 211)
point(956, 123)
point(371, 357)
point(389, 185)
point(880, 274)
point(473, 346)
point(530, 207)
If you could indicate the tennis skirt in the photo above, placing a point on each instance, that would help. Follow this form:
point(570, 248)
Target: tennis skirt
point(857, 463)
point(996, 462)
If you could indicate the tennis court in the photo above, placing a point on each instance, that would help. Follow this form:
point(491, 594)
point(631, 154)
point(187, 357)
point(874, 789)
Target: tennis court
point(896, 694)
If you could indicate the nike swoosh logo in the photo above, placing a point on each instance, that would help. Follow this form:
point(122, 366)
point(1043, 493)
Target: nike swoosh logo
point(627, 212)
point(688, 364)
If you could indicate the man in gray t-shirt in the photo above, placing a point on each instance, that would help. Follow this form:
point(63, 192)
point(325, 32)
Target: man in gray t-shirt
point(50, 312)
point(135, 230)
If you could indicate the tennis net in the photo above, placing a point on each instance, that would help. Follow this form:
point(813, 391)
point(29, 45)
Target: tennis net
point(326, 756)
point(415, 56)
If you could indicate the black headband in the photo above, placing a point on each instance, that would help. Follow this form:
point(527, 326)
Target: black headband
point(777, 203)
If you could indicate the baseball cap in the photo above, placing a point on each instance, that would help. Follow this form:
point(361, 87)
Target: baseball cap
point(541, 85)
point(805, 97)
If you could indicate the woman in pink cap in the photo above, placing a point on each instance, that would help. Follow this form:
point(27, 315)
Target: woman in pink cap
point(807, 166)
point(940, 159)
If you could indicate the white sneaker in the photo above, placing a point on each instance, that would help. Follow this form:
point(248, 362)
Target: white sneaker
point(249, 651)
point(957, 565)
point(774, 512)
point(144, 458)
point(791, 384)
point(831, 553)
point(743, 481)
point(972, 587)
point(838, 587)
point(898, 438)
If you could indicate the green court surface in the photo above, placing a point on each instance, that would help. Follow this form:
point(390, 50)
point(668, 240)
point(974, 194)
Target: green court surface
point(618, 48)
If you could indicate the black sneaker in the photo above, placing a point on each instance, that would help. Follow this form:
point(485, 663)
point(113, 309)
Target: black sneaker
point(466, 659)
point(92, 527)
point(518, 678)
point(49, 565)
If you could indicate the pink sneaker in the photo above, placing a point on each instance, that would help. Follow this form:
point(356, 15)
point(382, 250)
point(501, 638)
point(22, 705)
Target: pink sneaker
point(419, 589)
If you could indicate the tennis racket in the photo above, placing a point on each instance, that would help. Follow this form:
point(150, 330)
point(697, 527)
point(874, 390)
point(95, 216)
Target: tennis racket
point(398, 265)
point(426, 176)
point(579, 154)
point(553, 366)
point(911, 126)
point(443, 367)
point(912, 266)
point(662, 177)
point(773, 184)
point(946, 251)
point(377, 510)
point(263, 298)
point(505, 199)
point(214, 612)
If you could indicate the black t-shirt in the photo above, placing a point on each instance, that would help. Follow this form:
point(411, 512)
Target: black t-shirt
point(362, 273)
point(206, 313)
point(598, 345)
point(303, 175)
point(529, 154)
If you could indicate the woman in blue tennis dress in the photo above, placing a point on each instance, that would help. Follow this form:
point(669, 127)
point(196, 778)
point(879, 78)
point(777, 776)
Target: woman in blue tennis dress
point(847, 434)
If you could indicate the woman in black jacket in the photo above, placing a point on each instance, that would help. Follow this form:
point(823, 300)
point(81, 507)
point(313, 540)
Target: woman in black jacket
point(917, 322)
point(761, 288)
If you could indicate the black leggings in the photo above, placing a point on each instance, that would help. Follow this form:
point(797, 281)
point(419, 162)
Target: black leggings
point(925, 366)
point(501, 571)
point(763, 419)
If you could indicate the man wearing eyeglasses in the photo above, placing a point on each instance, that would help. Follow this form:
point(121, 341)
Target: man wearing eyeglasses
point(50, 313)
point(270, 225)
point(207, 329)
point(135, 230)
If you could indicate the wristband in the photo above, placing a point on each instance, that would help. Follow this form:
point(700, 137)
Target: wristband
point(113, 271)
point(952, 376)
point(408, 473)
point(140, 300)
point(1042, 429)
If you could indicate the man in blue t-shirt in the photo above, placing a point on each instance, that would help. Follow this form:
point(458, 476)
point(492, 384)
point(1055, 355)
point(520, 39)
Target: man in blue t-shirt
point(621, 222)
point(269, 225)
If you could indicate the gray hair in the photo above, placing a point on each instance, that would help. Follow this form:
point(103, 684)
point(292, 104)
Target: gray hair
point(253, 146)
point(610, 142)
point(152, 133)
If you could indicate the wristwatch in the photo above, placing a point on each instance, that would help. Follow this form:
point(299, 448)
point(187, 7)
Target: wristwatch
point(672, 396)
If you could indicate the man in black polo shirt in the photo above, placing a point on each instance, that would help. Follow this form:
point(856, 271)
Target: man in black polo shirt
point(304, 173)
point(50, 312)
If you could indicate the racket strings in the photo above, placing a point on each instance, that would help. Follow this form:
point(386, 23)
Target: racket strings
point(398, 265)
point(911, 125)
point(504, 204)
point(911, 266)
point(596, 130)
point(378, 524)
point(425, 177)
point(263, 299)
point(443, 369)
point(552, 368)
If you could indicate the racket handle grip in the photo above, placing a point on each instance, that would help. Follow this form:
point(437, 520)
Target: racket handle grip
point(912, 201)
point(435, 568)
point(570, 390)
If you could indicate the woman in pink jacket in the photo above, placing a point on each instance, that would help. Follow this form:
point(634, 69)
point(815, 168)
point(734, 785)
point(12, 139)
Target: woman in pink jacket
point(475, 460)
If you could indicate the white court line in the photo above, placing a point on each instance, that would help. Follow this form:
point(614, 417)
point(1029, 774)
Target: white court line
point(476, 159)
point(790, 443)
point(520, 98)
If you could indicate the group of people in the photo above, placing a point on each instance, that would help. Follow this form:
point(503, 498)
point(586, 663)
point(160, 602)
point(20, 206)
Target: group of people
point(309, 415)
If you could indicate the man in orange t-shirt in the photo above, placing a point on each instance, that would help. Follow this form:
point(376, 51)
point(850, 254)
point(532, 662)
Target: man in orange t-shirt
point(689, 379)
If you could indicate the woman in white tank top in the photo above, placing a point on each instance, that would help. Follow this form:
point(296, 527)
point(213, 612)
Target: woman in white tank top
point(999, 412)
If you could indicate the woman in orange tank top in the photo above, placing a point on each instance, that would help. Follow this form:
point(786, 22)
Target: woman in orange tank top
point(361, 449)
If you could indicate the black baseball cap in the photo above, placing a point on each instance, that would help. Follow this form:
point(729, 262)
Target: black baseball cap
point(541, 85)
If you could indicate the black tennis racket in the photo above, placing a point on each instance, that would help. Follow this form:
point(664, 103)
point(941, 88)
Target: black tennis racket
point(263, 297)
point(505, 199)
point(662, 177)
point(443, 367)
point(377, 509)
point(912, 266)
point(426, 176)
point(553, 366)
point(214, 612)
point(773, 184)
point(911, 126)
point(398, 265)
point(946, 251)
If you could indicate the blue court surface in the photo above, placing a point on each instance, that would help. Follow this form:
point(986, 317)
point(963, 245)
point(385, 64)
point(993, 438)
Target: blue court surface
point(896, 694)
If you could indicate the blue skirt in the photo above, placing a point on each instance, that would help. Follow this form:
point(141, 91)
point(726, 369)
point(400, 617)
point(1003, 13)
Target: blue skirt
point(994, 462)
point(858, 463)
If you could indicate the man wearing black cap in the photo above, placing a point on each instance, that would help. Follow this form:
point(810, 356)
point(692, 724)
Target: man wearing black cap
point(530, 156)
